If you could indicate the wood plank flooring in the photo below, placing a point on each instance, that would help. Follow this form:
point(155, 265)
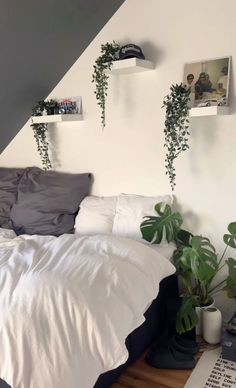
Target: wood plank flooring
point(141, 375)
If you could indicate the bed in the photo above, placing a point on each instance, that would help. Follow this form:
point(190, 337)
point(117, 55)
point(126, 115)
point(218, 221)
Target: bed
point(76, 309)
point(156, 322)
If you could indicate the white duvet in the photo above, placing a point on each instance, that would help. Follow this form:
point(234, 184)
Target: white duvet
point(67, 305)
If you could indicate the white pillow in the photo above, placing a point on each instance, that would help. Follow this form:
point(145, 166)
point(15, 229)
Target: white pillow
point(130, 210)
point(96, 215)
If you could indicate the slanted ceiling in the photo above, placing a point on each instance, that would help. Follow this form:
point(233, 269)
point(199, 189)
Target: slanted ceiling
point(40, 40)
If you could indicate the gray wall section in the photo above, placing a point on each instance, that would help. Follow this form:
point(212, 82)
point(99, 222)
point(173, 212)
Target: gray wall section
point(40, 40)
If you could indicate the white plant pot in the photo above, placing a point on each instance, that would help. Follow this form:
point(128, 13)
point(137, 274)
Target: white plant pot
point(211, 325)
point(199, 311)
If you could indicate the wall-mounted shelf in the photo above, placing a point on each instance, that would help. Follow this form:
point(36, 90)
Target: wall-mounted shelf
point(209, 111)
point(56, 118)
point(130, 65)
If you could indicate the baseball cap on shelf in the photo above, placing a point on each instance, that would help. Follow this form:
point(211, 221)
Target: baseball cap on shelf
point(131, 51)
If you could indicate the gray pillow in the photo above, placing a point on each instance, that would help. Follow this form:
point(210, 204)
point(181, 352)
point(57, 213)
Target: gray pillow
point(9, 180)
point(48, 201)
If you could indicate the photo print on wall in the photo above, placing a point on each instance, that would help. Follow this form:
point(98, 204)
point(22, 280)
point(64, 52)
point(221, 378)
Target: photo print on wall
point(70, 105)
point(208, 81)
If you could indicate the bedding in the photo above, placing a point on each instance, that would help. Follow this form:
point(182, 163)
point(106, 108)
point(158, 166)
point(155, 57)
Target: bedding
point(156, 321)
point(9, 180)
point(119, 215)
point(131, 210)
point(68, 303)
point(96, 215)
point(48, 201)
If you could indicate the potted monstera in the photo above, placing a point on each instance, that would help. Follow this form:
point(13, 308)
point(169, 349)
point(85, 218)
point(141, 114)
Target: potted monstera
point(196, 263)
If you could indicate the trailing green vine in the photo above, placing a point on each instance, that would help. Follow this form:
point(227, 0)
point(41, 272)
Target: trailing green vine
point(176, 127)
point(100, 78)
point(40, 134)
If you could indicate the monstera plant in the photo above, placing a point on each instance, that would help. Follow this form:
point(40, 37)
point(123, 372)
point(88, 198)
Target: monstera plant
point(196, 262)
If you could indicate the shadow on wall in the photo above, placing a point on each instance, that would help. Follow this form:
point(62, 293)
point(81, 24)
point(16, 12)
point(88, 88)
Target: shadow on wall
point(53, 141)
point(190, 218)
point(203, 142)
point(152, 53)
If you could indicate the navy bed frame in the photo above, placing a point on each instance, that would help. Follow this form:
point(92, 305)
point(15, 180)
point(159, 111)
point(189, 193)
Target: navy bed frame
point(138, 341)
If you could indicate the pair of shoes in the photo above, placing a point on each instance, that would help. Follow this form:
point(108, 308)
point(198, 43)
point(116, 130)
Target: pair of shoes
point(231, 325)
point(173, 353)
point(170, 358)
point(179, 343)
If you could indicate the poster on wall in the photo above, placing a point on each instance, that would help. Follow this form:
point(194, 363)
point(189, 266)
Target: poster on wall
point(208, 81)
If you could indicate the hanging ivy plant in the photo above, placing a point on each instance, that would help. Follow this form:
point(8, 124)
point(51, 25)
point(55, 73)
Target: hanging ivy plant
point(176, 126)
point(100, 78)
point(40, 134)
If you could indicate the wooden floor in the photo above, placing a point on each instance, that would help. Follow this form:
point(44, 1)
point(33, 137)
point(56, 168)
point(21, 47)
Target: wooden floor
point(141, 375)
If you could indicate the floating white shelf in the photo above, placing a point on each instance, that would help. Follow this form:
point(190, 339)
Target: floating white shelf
point(209, 111)
point(130, 65)
point(56, 118)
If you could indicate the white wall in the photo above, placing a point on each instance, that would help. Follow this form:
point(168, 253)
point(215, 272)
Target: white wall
point(128, 156)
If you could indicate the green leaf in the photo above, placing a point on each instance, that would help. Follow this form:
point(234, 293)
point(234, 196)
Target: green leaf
point(176, 126)
point(186, 318)
point(230, 239)
point(167, 225)
point(40, 133)
point(200, 258)
point(230, 287)
point(102, 63)
point(184, 237)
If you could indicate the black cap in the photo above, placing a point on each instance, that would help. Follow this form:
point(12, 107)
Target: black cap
point(131, 51)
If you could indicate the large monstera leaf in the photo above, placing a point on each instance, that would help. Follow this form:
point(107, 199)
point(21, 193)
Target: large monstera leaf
point(200, 259)
point(186, 318)
point(230, 239)
point(183, 239)
point(230, 287)
point(166, 224)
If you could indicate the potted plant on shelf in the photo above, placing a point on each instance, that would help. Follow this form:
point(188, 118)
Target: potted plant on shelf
point(100, 78)
point(40, 134)
point(196, 263)
point(176, 131)
point(52, 107)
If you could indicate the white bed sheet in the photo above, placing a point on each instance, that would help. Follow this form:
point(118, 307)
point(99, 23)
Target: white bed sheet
point(67, 305)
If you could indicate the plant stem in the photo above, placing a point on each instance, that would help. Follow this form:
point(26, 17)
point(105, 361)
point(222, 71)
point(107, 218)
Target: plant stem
point(219, 284)
point(216, 292)
point(226, 247)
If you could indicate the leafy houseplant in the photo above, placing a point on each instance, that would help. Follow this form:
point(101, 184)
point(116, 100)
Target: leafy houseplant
point(52, 107)
point(40, 134)
point(176, 126)
point(102, 63)
point(196, 262)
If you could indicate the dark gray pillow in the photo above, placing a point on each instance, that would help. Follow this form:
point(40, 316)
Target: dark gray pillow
point(9, 180)
point(48, 201)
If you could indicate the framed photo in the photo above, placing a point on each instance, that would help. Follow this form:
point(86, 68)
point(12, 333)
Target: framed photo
point(208, 81)
point(70, 105)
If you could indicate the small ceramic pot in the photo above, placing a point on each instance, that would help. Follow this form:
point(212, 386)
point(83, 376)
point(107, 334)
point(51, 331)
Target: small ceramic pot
point(211, 325)
point(199, 311)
